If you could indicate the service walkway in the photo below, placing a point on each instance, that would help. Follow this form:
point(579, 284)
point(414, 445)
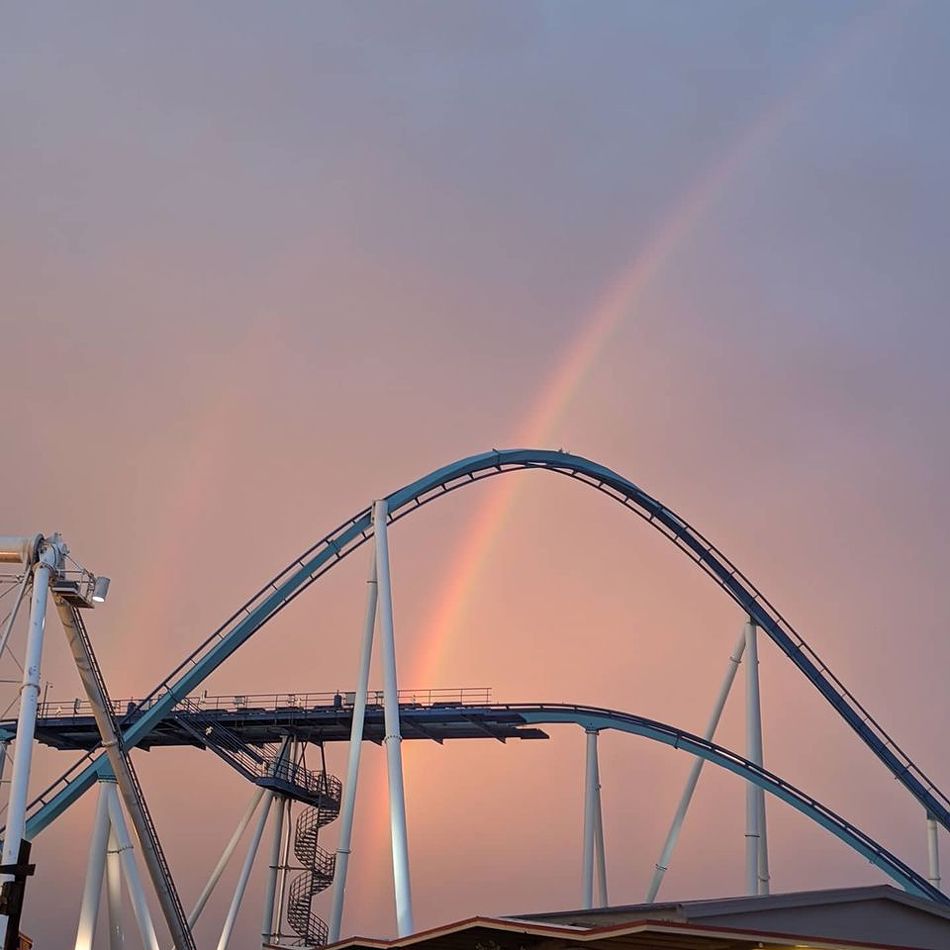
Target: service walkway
point(259, 719)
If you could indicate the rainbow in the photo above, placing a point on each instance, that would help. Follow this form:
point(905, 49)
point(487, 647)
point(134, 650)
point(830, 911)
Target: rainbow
point(564, 383)
point(599, 326)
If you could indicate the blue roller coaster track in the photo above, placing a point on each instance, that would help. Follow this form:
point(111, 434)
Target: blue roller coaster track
point(441, 721)
point(591, 717)
point(355, 532)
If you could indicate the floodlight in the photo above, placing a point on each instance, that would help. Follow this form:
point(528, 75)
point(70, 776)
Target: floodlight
point(101, 590)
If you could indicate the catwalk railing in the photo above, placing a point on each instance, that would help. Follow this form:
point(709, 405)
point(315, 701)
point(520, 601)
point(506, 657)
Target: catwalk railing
point(237, 702)
point(65, 712)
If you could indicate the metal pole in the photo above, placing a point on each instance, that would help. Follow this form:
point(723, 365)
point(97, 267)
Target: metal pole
point(676, 826)
point(764, 875)
point(270, 891)
point(933, 852)
point(114, 894)
point(287, 749)
point(393, 740)
point(225, 857)
point(599, 846)
point(45, 567)
point(228, 928)
point(590, 808)
point(29, 696)
point(348, 805)
point(285, 863)
point(757, 874)
point(11, 619)
point(95, 868)
point(133, 882)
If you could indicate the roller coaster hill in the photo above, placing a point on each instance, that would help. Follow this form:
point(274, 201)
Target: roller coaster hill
point(276, 743)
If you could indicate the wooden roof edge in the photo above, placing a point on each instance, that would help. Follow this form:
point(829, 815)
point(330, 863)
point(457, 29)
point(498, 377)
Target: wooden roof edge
point(585, 934)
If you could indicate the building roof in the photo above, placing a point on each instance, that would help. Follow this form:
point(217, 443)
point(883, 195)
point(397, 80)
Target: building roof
point(866, 918)
point(727, 906)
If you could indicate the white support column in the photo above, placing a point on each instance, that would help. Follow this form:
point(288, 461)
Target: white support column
point(590, 818)
point(133, 883)
point(287, 753)
point(270, 889)
point(285, 863)
point(933, 852)
point(225, 856)
point(4, 748)
point(114, 894)
point(393, 740)
point(348, 806)
point(26, 720)
point(757, 869)
point(764, 875)
point(95, 868)
point(600, 848)
point(672, 836)
point(228, 928)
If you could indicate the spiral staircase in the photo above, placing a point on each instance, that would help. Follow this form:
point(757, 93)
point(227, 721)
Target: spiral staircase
point(270, 767)
point(318, 864)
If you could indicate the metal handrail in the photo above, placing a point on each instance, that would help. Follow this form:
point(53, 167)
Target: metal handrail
point(319, 867)
point(312, 930)
point(329, 787)
point(305, 700)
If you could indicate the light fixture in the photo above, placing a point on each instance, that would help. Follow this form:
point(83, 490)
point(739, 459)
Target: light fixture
point(101, 590)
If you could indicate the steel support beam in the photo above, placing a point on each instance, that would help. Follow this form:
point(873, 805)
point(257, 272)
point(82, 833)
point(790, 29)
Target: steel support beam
point(287, 750)
point(270, 888)
point(348, 806)
point(29, 697)
point(114, 894)
point(44, 569)
point(95, 869)
point(393, 740)
point(133, 883)
point(285, 862)
point(600, 847)
point(591, 793)
point(225, 856)
point(757, 861)
point(229, 922)
point(676, 826)
point(933, 852)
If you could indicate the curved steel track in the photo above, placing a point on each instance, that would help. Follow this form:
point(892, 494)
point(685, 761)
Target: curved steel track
point(355, 532)
point(592, 717)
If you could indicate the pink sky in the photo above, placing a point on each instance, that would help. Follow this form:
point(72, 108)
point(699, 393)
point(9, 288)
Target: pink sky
point(259, 271)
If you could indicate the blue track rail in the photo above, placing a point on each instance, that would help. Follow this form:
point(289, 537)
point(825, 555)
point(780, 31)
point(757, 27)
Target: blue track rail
point(517, 720)
point(592, 717)
point(355, 532)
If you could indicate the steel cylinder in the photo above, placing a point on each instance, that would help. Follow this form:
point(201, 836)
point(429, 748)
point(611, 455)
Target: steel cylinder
point(19, 550)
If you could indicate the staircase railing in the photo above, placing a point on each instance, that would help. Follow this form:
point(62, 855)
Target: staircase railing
point(318, 867)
